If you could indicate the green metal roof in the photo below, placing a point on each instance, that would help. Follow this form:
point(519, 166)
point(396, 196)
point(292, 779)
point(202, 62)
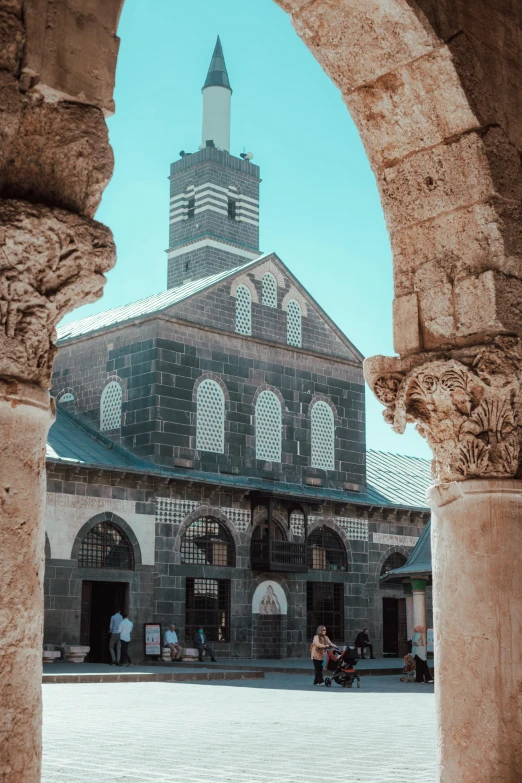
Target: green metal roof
point(151, 304)
point(418, 563)
point(217, 75)
point(73, 441)
point(398, 480)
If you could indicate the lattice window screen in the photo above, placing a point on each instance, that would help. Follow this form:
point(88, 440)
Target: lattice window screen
point(243, 310)
point(67, 397)
point(210, 424)
point(269, 292)
point(293, 323)
point(323, 436)
point(110, 406)
point(268, 427)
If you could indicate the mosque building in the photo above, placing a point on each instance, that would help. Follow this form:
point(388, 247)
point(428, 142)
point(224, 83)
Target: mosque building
point(208, 464)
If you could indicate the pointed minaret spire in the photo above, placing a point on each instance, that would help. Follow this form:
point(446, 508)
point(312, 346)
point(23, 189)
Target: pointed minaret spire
point(216, 103)
point(217, 75)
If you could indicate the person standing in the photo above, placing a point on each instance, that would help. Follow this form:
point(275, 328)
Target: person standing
point(114, 641)
point(362, 640)
point(418, 644)
point(125, 631)
point(200, 641)
point(171, 640)
point(318, 649)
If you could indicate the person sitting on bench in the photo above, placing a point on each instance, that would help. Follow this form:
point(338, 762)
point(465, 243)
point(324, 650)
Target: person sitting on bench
point(363, 640)
point(200, 641)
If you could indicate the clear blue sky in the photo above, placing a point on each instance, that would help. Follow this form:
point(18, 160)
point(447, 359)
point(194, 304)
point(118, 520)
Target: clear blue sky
point(320, 210)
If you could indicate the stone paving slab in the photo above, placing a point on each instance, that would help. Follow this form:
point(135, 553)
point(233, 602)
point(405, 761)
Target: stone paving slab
point(276, 730)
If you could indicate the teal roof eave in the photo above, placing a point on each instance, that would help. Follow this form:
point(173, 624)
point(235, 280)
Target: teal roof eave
point(419, 562)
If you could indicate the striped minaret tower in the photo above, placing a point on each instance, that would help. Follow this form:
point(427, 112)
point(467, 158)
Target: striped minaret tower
point(214, 196)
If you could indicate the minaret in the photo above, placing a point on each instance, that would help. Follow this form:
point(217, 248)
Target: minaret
point(214, 196)
point(216, 103)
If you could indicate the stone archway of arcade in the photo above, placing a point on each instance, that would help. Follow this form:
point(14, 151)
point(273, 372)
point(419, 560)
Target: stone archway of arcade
point(434, 87)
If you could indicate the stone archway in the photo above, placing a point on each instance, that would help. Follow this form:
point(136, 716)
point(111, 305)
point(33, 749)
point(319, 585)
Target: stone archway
point(434, 87)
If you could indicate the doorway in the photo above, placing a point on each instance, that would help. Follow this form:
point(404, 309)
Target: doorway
point(394, 633)
point(99, 602)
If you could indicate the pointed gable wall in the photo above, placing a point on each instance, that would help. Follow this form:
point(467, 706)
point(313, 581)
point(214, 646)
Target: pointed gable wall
point(216, 307)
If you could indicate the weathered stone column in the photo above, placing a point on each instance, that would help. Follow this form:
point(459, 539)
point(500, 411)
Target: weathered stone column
point(55, 161)
point(25, 415)
point(409, 609)
point(418, 587)
point(468, 404)
point(477, 583)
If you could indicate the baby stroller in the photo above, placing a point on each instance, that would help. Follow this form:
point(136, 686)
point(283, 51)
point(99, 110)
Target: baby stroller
point(408, 672)
point(342, 666)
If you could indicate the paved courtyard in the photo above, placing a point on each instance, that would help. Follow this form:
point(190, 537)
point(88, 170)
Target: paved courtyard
point(277, 730)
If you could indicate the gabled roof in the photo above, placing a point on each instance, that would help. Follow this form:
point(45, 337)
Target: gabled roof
point(418, 563)
point(397, 479)
point(217, 75)
point(173, 296)
point(148, 306)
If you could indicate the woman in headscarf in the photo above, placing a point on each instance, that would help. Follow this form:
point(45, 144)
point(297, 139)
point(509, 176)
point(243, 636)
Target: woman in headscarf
point(319, 646)
point(418, 648)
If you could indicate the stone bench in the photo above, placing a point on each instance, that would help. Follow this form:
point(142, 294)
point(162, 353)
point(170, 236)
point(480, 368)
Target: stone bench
point(190, 654)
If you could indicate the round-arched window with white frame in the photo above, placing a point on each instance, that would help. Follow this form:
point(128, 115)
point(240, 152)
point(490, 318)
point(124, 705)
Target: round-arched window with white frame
point(210, 417)
point(269, 290)
point(111, 404)
point(293, 323)
point(243, 310)
point(268, 427)
point(323, 436)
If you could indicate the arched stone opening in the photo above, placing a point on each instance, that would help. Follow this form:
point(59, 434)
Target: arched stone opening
point(436, 96)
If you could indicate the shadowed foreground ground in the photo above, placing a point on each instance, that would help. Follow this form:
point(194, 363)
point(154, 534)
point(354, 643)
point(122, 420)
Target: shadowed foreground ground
point(277, 730)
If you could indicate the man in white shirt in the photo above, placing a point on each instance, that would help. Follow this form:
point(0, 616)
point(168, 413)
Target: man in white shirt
point(114, 643)
point(171, 640)
point(125, 636)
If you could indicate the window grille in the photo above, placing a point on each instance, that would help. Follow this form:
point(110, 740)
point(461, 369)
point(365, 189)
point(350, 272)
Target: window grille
point(325, 551)
point(208, 607)
point(110, 406)
point(191, 207)
point(243, 310)
point(67, 397)
point(269, 290)
point(232, 208)
point(293, 323)
point(395, 560)
point(325, 606)
point(210, 422)
point(106, 546)
point(207, 542)
point(268, 427)
point(323, 436)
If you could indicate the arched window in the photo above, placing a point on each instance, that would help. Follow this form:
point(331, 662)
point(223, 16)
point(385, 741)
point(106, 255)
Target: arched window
point(268, 427)
point(395, 560)
point(207, 542)
point(260, 532)
point(243, 310)
point(269, 290)
point(325, 551)
point(190, 198)
point(106, 546)
point(210, 417)
point(293, 323)
point(110, 406)
point(323, 436)
point(67, 397)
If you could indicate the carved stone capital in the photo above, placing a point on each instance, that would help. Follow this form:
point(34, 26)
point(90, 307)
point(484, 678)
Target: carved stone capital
point(467, 403)
point(51, 261)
